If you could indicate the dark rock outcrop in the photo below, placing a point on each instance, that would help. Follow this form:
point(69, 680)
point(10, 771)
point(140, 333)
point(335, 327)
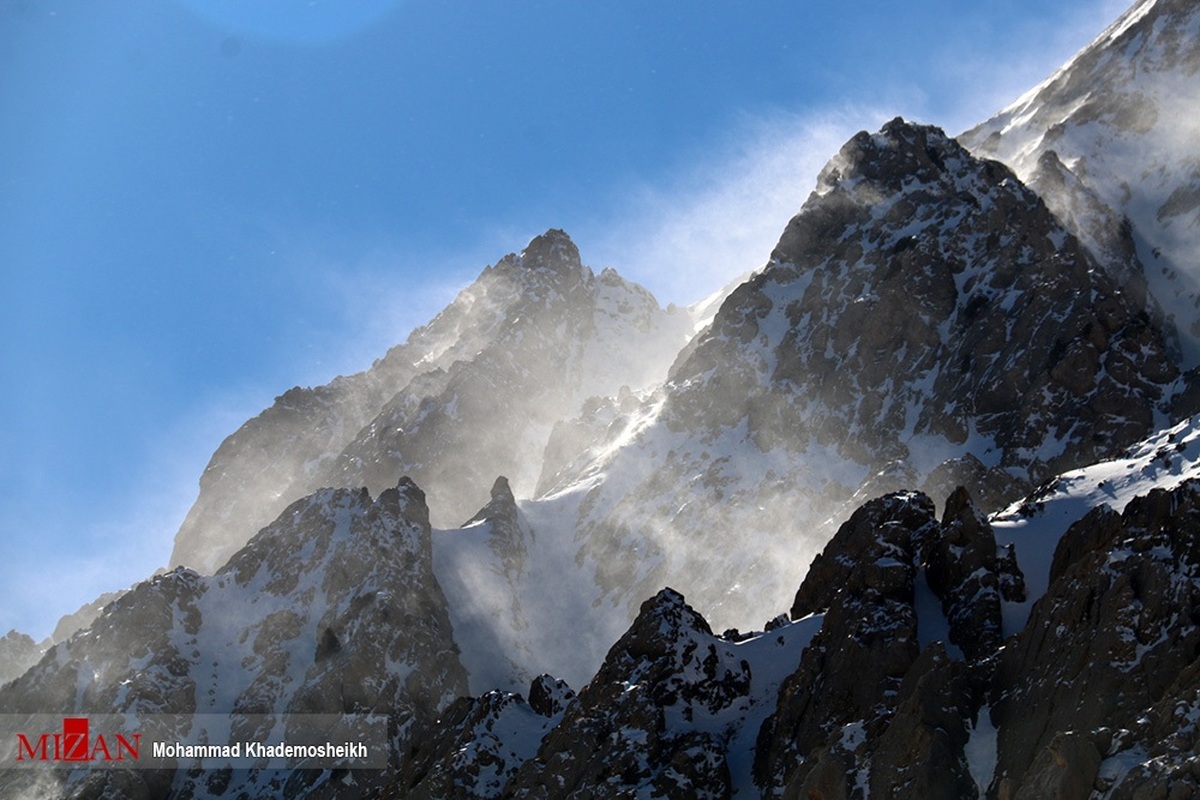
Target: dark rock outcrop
point(846, 689)
point(878, 706)
point(479, 743)
point(1109, 651)
point(644, 712)
point(924, 298)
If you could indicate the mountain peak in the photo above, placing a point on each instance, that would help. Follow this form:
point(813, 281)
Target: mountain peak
point(554, 249)
point(899, 153)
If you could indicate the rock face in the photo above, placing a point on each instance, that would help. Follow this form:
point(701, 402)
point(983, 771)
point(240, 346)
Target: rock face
point(672, 712)
point(924, 305)
point(646, 710)
point(1108, 141)
point(473, 394)
point(480, 743)
point(333, 608)
point(878, 705)
point(898, 679)
point(18, 652)
point(1108, 656)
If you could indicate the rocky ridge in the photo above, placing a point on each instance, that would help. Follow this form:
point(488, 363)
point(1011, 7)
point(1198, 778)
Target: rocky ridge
point(898, 675)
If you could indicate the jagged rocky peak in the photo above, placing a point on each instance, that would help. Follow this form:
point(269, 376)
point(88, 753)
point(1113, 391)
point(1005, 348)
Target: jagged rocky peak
point(891, 541)
point(549, 696)
point(901, 152)
point(18, 652)
point(661, 620)
point(501, 505)
point(648, 710)
point(550, 262)
point(553, 249)
point(882, 700)
point(971, 579)
point(480, 742)
point(925, 307)
point(507, 538)
point(871, 550)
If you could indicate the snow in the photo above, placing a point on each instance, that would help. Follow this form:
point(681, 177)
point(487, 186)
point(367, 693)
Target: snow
point(1163, 460)
point(1123, 119)
point(546, 617)
point(981, 751)
point(1114, 768)
point(772, 656)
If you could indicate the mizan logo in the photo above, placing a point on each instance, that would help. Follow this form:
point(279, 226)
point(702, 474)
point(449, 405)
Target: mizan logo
point(76, 744)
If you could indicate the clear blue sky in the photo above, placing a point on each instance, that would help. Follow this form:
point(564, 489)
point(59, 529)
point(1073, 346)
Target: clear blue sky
point(201, 210)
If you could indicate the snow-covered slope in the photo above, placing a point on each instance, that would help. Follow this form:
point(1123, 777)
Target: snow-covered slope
point(518, 599)
point(905, 672)
point(1110, 142)
point(1034, 525)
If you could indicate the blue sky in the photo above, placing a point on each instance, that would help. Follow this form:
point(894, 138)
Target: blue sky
point(206, 202)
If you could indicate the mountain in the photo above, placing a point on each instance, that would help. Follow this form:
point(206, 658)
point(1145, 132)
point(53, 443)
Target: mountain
point(949, 428)
point(1044, 651)
point(18, 652)
point(924, 321)
point(331, 609)
point(923, 657)
point(472, 395)
point(1109, 143)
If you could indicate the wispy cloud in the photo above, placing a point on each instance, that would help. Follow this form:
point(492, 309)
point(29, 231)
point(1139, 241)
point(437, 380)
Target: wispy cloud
point(689, 235)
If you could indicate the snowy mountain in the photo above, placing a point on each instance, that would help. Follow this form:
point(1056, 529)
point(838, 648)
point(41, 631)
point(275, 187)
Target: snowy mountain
point(331, 609)
point(924, 322)
point(18, 652)
point(472, 395)
point(1109, 141)
point(924, 658)
point(949, 428)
